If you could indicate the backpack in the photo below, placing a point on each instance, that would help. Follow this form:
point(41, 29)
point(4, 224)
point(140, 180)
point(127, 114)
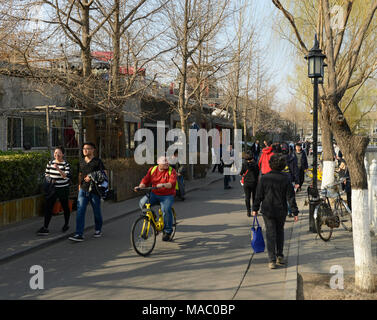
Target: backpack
point(170, 171)
point(243, 178)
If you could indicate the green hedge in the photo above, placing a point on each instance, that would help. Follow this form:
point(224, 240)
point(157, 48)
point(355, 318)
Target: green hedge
point(21, 174)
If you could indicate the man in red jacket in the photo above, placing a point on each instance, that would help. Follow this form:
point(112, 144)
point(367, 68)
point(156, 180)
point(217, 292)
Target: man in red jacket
point(164, 178)
point(267, 152)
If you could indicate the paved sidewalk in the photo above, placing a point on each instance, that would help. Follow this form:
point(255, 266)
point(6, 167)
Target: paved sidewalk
point(248, 276)
point(20, 238)
point(261, 283)
point(317, 256)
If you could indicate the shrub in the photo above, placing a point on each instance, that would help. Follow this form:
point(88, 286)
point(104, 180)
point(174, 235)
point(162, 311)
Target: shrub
point(21, 174)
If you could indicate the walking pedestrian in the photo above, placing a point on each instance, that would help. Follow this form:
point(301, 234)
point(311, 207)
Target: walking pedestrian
point(88, 192)
point(302, 163)
point(227, 165)
point(250, 173)
point(59, 171)
point(273, 191)
point(255, 150)
point(291, 170)
point(218, 161)
point(346, 186)
point(180, 170)
point(263, 164)
point(307, 147)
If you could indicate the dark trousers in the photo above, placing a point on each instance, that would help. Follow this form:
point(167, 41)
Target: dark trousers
point(274, 237)
point(63, 195)
point(226, 181)
point(349, 197)
point(180, 193)
point(250, 192)
point(301, 176)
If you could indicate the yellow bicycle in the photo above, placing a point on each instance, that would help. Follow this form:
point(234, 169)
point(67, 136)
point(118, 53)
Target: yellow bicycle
point(146, 227)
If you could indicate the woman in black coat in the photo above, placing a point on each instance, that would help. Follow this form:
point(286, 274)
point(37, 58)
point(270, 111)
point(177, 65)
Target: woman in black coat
point(250, 174)
point(274, 192)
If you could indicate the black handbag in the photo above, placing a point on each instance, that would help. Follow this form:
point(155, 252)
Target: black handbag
point(48, 187)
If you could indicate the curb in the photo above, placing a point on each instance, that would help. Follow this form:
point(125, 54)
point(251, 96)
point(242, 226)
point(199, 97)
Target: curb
point(291, 275)
point(290, 292)
point(64, 236)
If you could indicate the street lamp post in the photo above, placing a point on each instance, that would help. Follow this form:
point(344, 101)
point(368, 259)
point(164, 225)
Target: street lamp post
point(315, 72)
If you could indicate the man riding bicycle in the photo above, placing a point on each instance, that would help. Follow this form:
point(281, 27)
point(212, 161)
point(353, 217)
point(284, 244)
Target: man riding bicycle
point(164, 178)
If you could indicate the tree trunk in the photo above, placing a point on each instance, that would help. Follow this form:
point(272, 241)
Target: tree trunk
point(86, 59)
point(115, 81)
point(353, 148)
point(328, 168)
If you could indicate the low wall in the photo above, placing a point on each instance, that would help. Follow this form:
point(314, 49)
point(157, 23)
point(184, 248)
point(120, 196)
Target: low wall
point(19, 209)
point(124, 181)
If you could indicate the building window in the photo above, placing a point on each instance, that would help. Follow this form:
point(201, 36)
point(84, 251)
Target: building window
point(34, 132)
point(14, 133)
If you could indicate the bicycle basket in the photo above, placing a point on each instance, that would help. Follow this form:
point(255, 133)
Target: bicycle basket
point(333, 222)
point(333, 191)
point(327, 216)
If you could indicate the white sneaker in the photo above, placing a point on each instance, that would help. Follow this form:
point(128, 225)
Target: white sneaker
point(76, 238)
point(97, 234)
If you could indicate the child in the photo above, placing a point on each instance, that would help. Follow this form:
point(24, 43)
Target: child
point(273, 191)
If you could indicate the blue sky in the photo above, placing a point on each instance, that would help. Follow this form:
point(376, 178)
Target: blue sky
point(280, 53)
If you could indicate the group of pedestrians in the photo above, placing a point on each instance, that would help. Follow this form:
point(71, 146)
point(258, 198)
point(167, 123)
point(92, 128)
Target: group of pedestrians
point(58, 173)
point(271, 180)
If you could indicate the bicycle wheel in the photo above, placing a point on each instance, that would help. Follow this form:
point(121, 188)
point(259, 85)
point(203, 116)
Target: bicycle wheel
point(345, 214)
point(143, 236)
point(174, 225)
point(323, 229)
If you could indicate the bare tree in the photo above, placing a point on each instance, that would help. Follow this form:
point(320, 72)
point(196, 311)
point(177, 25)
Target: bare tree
point(185, 20)
point(131, 24)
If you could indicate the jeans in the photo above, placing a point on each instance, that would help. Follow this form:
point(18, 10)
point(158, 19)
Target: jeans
point(166, 203)
point(82, 202)
point(274, 237)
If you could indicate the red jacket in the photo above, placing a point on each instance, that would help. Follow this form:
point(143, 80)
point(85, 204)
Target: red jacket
point(161, 177)
point(263, 164)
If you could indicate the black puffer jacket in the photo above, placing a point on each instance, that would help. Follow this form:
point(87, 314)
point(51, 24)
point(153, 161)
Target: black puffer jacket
point(273, 191)
point(251, 177)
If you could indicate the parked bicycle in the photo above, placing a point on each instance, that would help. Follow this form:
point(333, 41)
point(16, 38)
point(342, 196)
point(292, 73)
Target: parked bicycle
point(328, 217)
point(146, 227)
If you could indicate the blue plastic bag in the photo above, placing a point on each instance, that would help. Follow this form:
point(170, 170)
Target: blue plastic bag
point(257, 241)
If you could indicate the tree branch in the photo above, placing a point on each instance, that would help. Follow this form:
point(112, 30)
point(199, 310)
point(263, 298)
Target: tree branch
point(355, 49)
point(292, 22)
